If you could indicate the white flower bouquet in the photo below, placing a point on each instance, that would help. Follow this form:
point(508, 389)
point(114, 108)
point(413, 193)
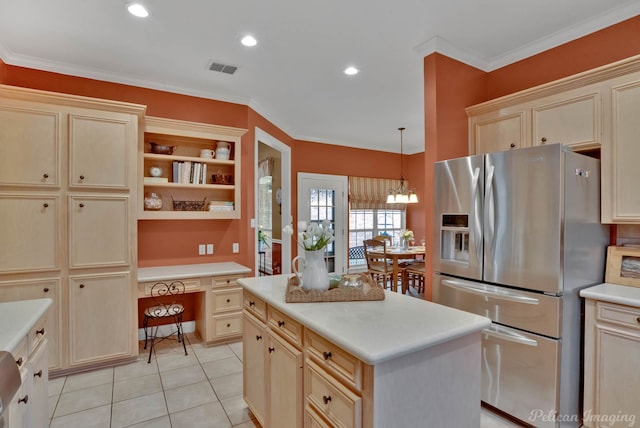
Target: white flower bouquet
point(314, 236)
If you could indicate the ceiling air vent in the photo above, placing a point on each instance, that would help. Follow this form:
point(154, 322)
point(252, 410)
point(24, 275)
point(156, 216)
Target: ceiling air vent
point(222, 68)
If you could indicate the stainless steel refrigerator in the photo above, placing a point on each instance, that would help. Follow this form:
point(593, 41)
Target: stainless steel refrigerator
point(517, 235)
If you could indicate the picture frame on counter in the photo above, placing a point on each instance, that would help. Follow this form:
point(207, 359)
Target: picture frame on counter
point(623, 266)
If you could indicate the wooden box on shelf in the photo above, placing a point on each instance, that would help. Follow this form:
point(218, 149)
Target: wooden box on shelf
point(187, 169)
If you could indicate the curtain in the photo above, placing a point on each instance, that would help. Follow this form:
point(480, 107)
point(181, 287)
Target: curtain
point(371, 193)
point(265, 167)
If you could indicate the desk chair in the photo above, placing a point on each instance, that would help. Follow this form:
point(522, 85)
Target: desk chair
point(379, 267)
point(166, 306)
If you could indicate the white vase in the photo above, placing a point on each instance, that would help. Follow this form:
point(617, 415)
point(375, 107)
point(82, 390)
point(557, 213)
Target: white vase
point(314, 275)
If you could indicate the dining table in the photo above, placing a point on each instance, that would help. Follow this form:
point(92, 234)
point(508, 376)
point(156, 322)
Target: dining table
point(395, 254)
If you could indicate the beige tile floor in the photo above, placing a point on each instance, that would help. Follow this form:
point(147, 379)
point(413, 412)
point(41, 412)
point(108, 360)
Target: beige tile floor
point(202, 389)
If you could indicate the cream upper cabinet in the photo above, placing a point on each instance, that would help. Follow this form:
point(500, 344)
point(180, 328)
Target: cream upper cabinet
point(30, 233)
point(99, 231)
point(100, 149)
point(612, 363)
point(495, 132)
point(621, 151)
point(30, 144)
point(573, 119)
point(101, 318)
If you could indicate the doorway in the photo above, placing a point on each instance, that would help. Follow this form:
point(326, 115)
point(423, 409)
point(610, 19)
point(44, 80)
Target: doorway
point(272, 202)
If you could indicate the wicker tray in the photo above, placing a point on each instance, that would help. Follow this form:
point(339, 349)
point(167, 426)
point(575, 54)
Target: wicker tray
point(367, 292)
point(188, 205)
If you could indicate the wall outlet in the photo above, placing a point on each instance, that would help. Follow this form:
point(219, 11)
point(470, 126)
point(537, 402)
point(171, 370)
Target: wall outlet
point(209, 248)
point(201, 249)
point(236, 247)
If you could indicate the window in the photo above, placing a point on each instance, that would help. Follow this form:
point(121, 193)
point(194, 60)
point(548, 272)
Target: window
point(367, 223)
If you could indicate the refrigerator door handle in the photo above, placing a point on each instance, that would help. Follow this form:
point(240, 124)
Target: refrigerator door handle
point(489, 216)
point(502, 295)
point(509, 336)
point(476, 208)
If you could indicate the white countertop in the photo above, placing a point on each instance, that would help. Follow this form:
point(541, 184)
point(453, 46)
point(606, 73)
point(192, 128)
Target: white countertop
point(374, 331)
point(17, 318)
point(613, 293)
point(163, 273)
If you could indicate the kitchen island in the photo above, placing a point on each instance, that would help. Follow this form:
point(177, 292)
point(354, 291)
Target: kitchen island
point(398, 362)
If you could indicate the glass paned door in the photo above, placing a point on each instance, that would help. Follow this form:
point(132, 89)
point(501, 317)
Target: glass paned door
point(323, 197)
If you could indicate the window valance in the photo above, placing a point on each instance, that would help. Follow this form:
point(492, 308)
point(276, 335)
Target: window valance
point(371, 193)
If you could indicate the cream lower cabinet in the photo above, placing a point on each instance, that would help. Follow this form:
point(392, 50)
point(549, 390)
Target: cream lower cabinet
point(225, 314)
point(612, 364)
point(294, 377)
point(100, 318)
point(30, 405)
point(621, 151)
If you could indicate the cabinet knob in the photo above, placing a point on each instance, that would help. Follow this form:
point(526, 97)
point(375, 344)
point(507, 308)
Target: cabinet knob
point(24, 399)
point(638, 319)
point(326, 399)
point(45, 205)
point(326, 355)
point(280, 323)
point(258, 337)
point(543, 140)
point(228, 281)
point(41, 331)
point(228, 325)
point(46, 289)
point(252, 303)
point(82, 177)
point(81, 285)
point(271, 349)
point(38, 374)
point(512, 145)
point(228, 300)
point(81, 205)
point(19, 361)
point(45, 175)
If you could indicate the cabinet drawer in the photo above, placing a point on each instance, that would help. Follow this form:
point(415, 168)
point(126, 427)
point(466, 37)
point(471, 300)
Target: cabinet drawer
point(622, 315)
point(190, 286)
point(227, 300)
point(333, 359)
point(227, 325)
point(255, 306)
point(37, 333)
point(337, 403)
point(287, 327)
point(313, 420)
point(226, 281)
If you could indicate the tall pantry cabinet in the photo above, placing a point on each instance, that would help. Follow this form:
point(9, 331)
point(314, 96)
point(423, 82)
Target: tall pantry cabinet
point(68, 219)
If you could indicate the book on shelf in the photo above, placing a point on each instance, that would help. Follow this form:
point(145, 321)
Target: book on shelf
point(189, 172)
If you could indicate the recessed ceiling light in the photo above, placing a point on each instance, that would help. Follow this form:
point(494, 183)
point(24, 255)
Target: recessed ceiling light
point(249, 41)
point(138, 10)
point(351, 71)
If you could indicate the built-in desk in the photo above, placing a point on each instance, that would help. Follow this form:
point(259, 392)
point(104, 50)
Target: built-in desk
point(218, 302)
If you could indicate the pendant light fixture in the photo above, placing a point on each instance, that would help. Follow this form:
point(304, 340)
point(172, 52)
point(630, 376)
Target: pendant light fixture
point(402, 195)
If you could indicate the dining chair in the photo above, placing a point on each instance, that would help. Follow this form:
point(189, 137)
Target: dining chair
point(380, 267)
point(413, 275)
point(385, 238)
point(167, 309)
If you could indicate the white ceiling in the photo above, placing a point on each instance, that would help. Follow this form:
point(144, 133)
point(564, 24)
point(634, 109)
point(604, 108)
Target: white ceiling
point(293, 77)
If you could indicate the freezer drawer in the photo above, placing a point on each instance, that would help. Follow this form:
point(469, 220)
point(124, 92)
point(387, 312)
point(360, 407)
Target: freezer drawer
point(534, 312)
point(520, 374)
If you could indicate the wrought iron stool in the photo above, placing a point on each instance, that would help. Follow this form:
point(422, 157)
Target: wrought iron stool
point(165, 306)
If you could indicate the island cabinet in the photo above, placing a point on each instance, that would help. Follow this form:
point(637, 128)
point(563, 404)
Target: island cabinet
point(24, 334)
point(68, 198)
point(342, 364)
point(612, 355)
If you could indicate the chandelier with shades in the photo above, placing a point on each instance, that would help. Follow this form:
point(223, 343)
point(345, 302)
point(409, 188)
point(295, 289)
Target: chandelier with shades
point(402, 195)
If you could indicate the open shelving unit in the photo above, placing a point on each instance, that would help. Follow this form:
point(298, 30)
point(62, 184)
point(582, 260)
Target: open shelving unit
point(221, 183)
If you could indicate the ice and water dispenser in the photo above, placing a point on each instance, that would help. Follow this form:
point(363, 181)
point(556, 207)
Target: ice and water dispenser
point(454, 237)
